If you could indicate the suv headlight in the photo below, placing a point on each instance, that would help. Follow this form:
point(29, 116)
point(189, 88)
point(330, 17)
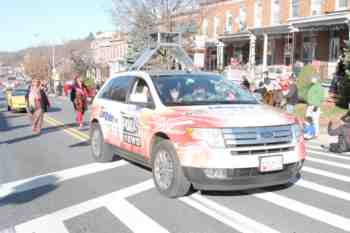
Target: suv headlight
point(297, 132)
point(213, 137)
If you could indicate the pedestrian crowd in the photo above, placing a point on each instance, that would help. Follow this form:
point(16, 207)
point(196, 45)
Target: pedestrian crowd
point(38, 103)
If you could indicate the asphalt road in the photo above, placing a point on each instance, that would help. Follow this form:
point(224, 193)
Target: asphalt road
point(50, 184)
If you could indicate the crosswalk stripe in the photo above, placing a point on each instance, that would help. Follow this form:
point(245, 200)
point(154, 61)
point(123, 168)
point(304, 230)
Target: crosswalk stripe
point(51, 225)
point(226, 215)
point(326, 174)
point(330, 155)
point(79, 209)
point(133, 218)
point(56, 177)
point(307, 210)
point(323, 189)
point(330, 163)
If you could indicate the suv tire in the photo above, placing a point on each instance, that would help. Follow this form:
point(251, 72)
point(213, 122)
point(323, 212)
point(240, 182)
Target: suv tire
point(164, 160)
point(101, 152)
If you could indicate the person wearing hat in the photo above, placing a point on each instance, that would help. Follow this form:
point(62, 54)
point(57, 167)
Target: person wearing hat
point(314, 99)
point(343, 133)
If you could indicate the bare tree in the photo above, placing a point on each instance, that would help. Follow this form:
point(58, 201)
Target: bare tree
point(139, 18)
point(37, 65)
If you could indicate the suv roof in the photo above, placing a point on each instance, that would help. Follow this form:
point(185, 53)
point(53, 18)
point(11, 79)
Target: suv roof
point(175, 72)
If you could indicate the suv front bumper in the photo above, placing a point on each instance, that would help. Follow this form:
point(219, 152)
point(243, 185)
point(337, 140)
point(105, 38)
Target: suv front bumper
point(242, 178)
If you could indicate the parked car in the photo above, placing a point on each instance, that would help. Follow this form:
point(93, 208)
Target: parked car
point(195, 130)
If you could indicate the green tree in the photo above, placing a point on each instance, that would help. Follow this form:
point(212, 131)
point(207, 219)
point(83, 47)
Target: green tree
point(304, 80)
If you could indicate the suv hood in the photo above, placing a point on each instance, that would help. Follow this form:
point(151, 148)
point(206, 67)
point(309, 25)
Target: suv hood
point(235, 115)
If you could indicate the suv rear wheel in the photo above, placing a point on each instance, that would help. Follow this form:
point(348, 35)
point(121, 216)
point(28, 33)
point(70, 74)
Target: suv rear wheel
point(167, 172)
point(100, 151)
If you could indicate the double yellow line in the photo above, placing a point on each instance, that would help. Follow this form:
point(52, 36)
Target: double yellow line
point(69, 130)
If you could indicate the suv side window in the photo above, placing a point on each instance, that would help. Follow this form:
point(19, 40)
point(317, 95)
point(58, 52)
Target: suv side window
point(140, 89)
point(117, 89)
point(105, 91)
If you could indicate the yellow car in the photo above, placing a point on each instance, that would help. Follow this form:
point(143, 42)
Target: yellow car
point(15, 99)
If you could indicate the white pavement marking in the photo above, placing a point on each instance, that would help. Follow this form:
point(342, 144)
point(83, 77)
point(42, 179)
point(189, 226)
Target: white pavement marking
point(133, 218)
point(330, 155)
point(56, 177)
point(323, 189)
point(307, 210)
point(322, 161)
point(41, 224)
point(326, 174)
point(225, 215)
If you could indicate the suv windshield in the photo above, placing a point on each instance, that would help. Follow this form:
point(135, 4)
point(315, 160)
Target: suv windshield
point(191, 89)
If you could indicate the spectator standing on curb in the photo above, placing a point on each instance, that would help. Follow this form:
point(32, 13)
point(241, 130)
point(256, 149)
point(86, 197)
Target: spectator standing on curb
point(315, 97)
point(78, 97)
point(292, 95)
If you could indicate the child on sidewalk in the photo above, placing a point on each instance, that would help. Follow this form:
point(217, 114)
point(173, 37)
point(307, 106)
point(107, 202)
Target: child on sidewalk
point(309, 128)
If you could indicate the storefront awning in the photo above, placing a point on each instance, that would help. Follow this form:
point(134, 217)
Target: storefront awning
point(234, 37)
point(274, 29)
point(320, 22)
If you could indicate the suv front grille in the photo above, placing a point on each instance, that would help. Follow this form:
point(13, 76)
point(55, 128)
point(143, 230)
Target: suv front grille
point(257, 136)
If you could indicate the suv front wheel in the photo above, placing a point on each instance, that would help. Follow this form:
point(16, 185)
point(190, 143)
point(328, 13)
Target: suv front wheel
point(167, 172)
point(100, 151)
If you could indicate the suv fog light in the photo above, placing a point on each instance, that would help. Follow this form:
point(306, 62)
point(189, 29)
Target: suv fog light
point(216, 173)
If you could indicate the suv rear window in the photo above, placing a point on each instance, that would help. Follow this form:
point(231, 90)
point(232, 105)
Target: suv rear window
point(117, 89)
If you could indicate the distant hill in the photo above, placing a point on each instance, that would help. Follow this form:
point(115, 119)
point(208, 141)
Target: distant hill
point(62, 51)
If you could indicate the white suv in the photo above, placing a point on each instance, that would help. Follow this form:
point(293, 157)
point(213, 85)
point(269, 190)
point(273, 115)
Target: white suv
point(194, 129)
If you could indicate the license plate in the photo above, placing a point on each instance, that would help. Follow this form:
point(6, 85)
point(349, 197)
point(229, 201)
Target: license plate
point(271, 163)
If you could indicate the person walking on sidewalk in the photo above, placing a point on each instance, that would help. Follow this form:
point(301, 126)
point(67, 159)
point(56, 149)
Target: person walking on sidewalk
point(79, 95)
point(38, 104)
point(292, 97)
point(314, 99)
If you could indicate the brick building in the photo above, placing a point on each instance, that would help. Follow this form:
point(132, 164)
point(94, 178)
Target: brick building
point(274, 32)
point(109, 50)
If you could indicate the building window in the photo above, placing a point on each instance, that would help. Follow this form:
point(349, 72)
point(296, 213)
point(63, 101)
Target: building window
point(275, 12)
point(229, 23)
point(316, 7)
point(341, 4)
point(309, 45)
point(257, 13)
point(295, 8)
point(334, 49)
point(241, 19)
point(216, 26)
point(205, 27)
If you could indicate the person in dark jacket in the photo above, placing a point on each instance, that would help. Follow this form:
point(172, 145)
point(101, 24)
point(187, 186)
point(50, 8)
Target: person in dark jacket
point(343, 133)
point(37, 104)
point(79, 96)
point(292, 95)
